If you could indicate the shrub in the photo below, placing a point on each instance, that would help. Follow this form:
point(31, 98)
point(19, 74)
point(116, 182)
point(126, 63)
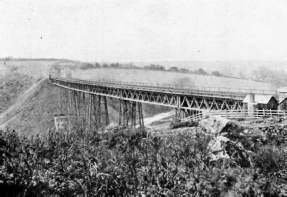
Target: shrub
point(126, 162)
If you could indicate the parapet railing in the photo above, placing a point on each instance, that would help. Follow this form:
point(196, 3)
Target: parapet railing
point(170, 86)
point(237, 114)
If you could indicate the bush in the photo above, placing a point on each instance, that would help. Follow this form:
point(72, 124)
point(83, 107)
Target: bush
point(270, 160)
point(125, 162)
point(88, 66)
point(175, 125)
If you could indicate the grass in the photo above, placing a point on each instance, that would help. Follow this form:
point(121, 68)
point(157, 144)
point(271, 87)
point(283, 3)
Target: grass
point(36, 69)
point(160, 77)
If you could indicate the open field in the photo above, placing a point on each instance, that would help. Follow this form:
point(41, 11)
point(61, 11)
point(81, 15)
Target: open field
point(40, 69)
point(161, 77)
point(37, 69)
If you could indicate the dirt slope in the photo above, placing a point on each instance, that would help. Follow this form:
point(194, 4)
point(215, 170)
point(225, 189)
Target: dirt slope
point(33, 111)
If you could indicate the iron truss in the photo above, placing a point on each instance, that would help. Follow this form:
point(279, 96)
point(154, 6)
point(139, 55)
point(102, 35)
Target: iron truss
point(186, 102)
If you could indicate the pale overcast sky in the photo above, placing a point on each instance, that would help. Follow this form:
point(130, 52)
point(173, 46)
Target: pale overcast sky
point(144, 30)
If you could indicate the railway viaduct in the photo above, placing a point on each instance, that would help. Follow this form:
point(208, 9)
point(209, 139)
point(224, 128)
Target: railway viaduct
point(92, 96)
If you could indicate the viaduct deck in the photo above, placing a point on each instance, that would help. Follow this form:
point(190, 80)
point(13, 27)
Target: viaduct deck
point(190, 98)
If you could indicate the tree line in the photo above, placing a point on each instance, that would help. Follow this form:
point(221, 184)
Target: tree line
point(199, 71)
point(260, 74)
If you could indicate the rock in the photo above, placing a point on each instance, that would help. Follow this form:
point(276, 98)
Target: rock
point(231, 140)
point(214, 124)
point(217, 148)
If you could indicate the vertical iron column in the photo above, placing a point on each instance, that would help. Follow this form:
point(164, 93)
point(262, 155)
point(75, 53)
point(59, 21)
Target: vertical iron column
point(140, 111)
point(106, 110)
point(120, 112)
point(178, 108)
point(128, 113)
point(99, 110)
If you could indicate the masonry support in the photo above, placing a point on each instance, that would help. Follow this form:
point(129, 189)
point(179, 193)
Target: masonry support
point(251, 105)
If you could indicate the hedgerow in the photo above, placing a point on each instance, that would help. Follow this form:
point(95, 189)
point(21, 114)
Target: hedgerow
point(131, 162)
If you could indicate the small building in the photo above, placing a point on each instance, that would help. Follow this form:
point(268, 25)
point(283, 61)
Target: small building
point(261, 101)
point(282, 92)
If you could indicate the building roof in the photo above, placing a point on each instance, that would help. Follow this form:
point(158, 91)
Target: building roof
point(262, 99)
point(282, 98)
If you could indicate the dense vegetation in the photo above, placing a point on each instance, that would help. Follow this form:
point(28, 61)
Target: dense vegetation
point(122, 162)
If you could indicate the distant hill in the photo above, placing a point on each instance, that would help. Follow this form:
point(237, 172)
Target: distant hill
point(154, 77)
point(37, 68)
point(223, 66)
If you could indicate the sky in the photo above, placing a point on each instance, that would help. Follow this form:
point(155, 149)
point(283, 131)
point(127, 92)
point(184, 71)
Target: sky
point(144, 30)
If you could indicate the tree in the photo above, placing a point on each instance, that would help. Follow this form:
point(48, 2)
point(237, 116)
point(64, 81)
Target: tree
point(241, 74)
point(105, 65)
point(261, 74)
point(216, 73)
point(174, 69)
point(97, 65)
point(154, 67)
point(265, 74)
point(184, 70)
point(201, 72)
point(115, 65)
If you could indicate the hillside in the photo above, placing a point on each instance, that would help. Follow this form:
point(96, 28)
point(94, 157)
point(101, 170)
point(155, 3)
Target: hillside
point(35, 68)
point(234, 66)
point(153, 77)
point(33, 111)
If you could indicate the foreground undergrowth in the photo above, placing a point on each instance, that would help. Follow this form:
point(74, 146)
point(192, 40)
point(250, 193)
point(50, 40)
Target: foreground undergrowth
point(132, 162)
